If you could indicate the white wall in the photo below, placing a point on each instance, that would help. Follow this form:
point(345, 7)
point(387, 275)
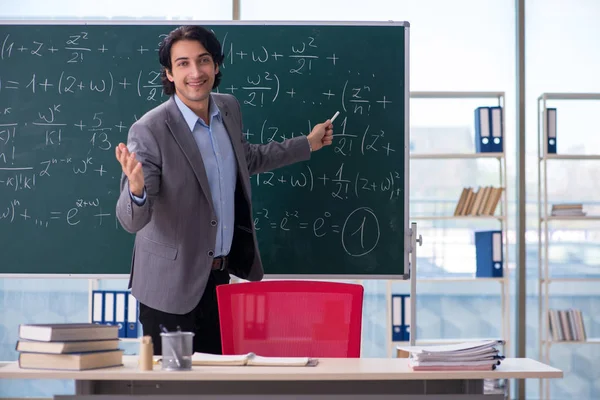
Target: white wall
point(155, 9)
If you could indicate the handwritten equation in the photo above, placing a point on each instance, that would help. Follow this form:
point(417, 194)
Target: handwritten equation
point(50, 126)
point(17, 211)
point(341, 186)
point(358, 232)
point(256, 91)
point(76, 48)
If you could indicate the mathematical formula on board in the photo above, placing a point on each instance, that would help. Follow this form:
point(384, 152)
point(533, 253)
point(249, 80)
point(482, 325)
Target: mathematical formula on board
point(358, 232)
point(65, 103)
point(256, 89)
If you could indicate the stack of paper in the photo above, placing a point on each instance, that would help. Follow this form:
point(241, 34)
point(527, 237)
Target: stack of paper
point(479, 356)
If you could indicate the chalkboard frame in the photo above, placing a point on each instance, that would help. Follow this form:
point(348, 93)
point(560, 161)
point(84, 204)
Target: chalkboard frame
point(407, 243)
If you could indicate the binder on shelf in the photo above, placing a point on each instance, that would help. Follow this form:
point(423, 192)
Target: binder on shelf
point(483, 143)
point(551, 129)
point(109, 308)
point(400, 317)
point(406, 317)
point(497, 129)
point(488, 251)
point(132, 316)
point(97, 307)
point(120, 313)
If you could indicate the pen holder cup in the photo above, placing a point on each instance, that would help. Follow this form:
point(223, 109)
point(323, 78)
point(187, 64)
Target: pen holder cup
point(177, 350)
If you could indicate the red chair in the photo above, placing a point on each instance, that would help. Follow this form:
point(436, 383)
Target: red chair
point(290, 318)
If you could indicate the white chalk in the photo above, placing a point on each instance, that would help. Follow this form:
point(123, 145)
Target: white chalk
point(335, 116)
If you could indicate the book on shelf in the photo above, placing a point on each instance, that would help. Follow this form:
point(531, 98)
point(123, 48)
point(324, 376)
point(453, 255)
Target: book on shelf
point(250, 359)
point(566, 325)
point(568, 210)
point(83, 346)
point(474, 355)
point(67, 332)
point(71, 362)
point(482, 202)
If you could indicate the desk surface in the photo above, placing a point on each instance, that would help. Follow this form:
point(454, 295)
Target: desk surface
point(329, 369)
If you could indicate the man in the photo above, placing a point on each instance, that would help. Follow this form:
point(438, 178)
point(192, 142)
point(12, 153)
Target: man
point(185, 192)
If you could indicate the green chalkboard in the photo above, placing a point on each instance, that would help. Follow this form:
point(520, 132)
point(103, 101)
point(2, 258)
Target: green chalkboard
point(69, 93)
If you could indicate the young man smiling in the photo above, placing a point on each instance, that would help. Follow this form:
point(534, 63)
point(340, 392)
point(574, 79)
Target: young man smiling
point(185, 192)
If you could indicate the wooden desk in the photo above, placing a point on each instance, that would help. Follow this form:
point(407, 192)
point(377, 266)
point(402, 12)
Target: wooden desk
point(369, 378)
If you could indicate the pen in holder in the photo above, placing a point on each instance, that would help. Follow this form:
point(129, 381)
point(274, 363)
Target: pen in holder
point(177, 349)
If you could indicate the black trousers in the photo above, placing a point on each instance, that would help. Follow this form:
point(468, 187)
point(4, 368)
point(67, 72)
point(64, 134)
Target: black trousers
point(203, 320)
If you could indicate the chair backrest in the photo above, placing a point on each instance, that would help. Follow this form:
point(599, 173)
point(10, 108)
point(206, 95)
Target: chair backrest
point(291, 318)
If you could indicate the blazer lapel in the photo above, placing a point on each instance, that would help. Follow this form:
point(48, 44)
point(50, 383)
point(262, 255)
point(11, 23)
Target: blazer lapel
point(230, 126)
point(181, 132)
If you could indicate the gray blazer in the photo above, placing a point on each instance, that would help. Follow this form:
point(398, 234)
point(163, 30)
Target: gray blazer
point(176, 226)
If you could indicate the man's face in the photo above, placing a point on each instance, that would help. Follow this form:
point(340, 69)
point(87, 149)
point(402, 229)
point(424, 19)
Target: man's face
point(193, 72)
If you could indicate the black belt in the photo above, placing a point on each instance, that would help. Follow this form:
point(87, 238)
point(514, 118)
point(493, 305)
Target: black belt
point(220, 263)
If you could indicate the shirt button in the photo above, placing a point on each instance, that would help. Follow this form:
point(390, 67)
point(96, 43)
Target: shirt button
point(213, 223)
point(211, 253)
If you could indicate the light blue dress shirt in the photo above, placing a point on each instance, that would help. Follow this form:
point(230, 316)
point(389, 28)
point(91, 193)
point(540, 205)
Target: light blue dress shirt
point(221, 169)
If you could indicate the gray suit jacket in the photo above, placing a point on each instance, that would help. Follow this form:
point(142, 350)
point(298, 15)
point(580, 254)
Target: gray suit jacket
point(176, 226)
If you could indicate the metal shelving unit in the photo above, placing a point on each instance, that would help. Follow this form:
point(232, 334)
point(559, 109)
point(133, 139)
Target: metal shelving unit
point(544, 222)
point(501, 218)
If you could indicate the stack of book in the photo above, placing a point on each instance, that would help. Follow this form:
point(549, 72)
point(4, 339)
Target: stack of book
point(568, 210)
point(566, 325)
point(69, 346)
point(481, 202)
point(467, 356)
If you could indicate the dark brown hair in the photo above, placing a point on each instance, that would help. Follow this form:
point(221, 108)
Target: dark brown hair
point(189, 32)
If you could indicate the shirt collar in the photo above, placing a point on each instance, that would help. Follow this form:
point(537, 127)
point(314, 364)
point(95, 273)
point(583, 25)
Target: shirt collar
point(191, 118)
